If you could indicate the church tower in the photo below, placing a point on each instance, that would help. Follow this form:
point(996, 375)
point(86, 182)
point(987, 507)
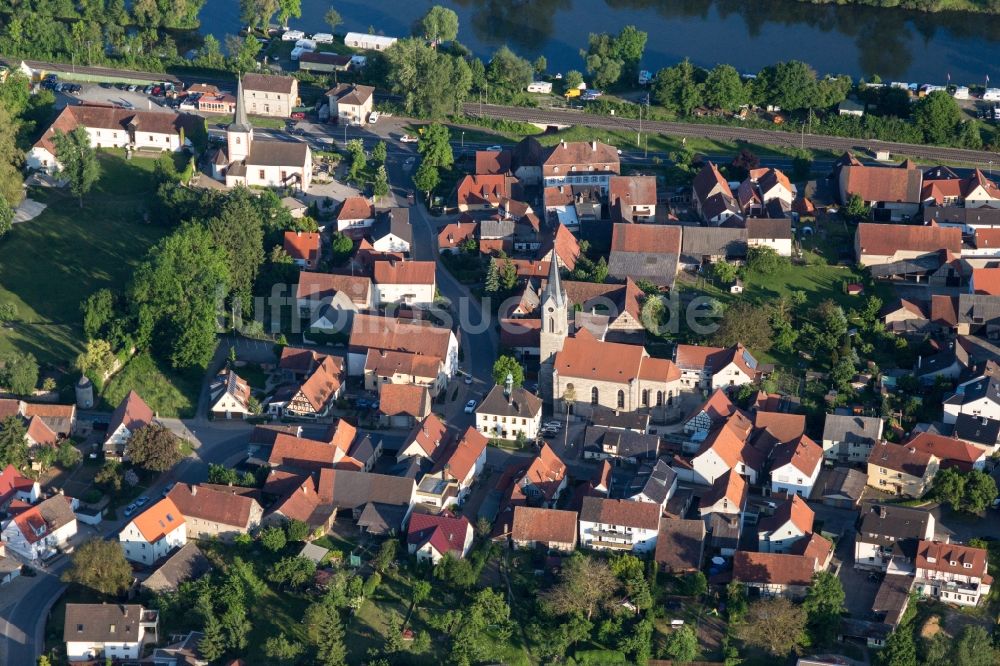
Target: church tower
point(555, 328)
point(239, 133)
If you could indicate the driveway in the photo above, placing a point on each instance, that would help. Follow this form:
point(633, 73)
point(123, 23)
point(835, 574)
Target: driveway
point(859, 588)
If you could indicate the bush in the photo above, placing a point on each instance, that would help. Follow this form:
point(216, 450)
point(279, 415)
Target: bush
point(599, 657)
point(371, 585)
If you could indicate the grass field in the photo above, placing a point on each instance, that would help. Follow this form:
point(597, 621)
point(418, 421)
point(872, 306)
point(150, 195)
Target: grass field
point(50, 264)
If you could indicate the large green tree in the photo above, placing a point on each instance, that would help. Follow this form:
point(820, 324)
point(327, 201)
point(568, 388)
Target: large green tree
point(484, 630)
point(507, 365)
point(288, 9)
point(433, 83)
point(585, 584)
point(724, 89)
point(508, 73)
point(937, 115)
point(101, 566)
point(434, 146)
point(154, 448)
point(679, 87)
point(13, 446)
point(439, 24)
point(776, 625)
point(823, 604)
point(746, 323)
point(426, 177)
point(325, 633)
point(176, 293)
point(238, 230)
point(790, 85)
point(77, 160)
point(19, 372)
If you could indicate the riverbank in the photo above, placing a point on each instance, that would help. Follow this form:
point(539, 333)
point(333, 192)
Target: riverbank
point(929, 6)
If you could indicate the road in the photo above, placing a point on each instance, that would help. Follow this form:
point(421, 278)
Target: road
point(729, 133)
point(24, 607)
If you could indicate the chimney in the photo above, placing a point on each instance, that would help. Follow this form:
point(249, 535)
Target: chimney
point(593, 146)
point(194, 490)
point(508, 387)
point(299, 234)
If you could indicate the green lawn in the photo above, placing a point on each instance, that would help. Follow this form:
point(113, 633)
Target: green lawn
point(52, 263)
point(169, 393)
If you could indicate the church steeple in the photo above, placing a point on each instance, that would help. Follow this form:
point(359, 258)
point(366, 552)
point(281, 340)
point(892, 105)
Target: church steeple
point(554, 289)
point(555, 329)
point(239, 133)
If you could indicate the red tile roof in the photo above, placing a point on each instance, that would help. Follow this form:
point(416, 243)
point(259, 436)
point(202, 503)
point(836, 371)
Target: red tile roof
point(44, 518)
point(159, 520)
point(319, 286)
point(302, 246)
point(644, 515)
point(324, 382)
point(773, 568)
point(544, 525)
point(546, 472)
point(445, 532)
point(301, 453)
point(492, 162)
point(404, 272)
point(887, 239)
point(803, 454)
point(429, 434)
point(479, 190)
point(562, 157)
point(40, 433)
point(875, 183)
point(111, 118)
point(387, 333)
point(900, 458)
point(398, 399)
point(950, 451)
point(986, 281)
point(633, 190)
point(938, 556)
point(454, 234)
point(646, 238)
point(459, 460)
point(214, 505)
point(794, 510)
point(386, 363)
point(717, 407)
point(13, 482)
point(730, 486)
point(784, 427)
point(356, 208)
point(133, 412)
point(564, 245)
point(583, 356)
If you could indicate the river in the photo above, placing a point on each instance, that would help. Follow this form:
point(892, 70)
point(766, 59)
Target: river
point(749, 34)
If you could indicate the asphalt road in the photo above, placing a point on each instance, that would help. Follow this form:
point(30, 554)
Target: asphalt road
point(23, 614)
point(729, 133)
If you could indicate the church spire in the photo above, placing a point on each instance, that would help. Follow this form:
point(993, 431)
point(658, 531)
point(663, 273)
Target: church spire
point(240, 122)
point(554, 288)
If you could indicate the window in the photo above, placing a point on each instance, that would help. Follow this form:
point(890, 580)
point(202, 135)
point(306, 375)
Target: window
point(659, 398)
point(237, 140)
point(261, 172)
point(645, 397)
point(552, 325)
point(593, 396)
point(621, 399)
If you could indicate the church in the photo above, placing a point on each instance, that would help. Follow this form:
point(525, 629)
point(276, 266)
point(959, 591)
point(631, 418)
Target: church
point(581, 372)
point(259, 162)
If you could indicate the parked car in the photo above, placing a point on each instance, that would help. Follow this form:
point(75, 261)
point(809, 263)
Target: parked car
point(373, 117)
point(157, 90)
point(407, 138)
point(468, 379)
point(298, 115)
point(168, 488)
point(133, 88)
point(555, 425)
point(549, 433)
point(130, 510)
point(470, 407)
point(495, 148)
point(142, 501)
point(147, 90)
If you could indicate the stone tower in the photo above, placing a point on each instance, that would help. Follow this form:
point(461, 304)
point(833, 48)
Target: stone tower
point(239, 133)
point(555, 328)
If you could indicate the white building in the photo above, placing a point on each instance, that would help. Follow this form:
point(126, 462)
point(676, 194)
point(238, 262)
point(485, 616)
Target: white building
point(405, 282)
point(37, 532)
point(230, 396)
point(431, 537)
point(881, 529)
point(619, 525)
point(362, 40)
point(795, 467)
point(848, 438)
point(791, 521)
point(976, 397)
point(711, 368)
point(131, 414)
point(726, 449)
point(115, 632)
point(952, 573)
point(510, 413)
point(154, 533)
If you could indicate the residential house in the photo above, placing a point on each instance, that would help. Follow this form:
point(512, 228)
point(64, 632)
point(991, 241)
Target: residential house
point(395, 367)
point(581, 163)
point(573, 205)
point(588, 373)
point(188, 563)
point(405, 282)
point(561, 247)
point(969, 220)
point(131, 414)
point(511, 413)
point(483, 192)
point(154, 533)
point(453, 236)
point(702, 246)
point(680, 546)
point(461, 462)
point(268, 95)
point(402, 405)
point(728, 447)
point(710, 368)
point(791, 521)
point(632, 198)
point(330, 301)
point(715, 410)
point(355, 217)
point(893, 194)
point(541, 483)
point(304, 248)
point(773, 233)
point(373, 332)
point(424, 439)
point(974, 191)
point(901, 469)
point(724, 532)
point(844, 488)
point(10, 567)
point(38, 532)
point(879, 244)
point(905, 317)
point(229, 394)
point(619, 525)
point(603, 443)
point(775, 574)
point(112, 632)
point(712, 198)
point(350, 103)
point(433, 536)
point(645, 252)
point(795, 466)
point(112, 127)
point(16, 486)
point(366, 493)
point(952, 573)
point(550, 529)
point(728, 495)
point(979, 431)
point(885, 527)
point(950, 451)
point(655, 483)
point(493, 162)
point(392, 231)
point(317, 394)
point(214, 513)
point(762, 188)
point(979, 397)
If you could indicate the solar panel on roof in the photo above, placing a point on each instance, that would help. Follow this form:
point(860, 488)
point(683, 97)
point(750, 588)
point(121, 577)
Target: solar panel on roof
point(749, 360)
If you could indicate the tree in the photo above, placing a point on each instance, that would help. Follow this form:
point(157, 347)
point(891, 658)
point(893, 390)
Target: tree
point(238, 230)
point(900, 649)
point(433, 83)
point(421, 591)
point(584, 585)
point(573, 79)
point(678, 88)
point(380, 152)
point(823, 604)
point(326, 634)
point(724, 89)
point(435, 147)
point(439, 24)
point(288, 9)
point(508, 274)
point(175, 293)
point(426, 178)
point(292, 571)
point(273, 538)
point(210, 54)
point(540, 65)
point(213, 645)
point(356, 148)
point(507, 365)
point(949, 486)
point(242, 52)
point(67, 455)
point(154, 448)
point(508, 73)
point(19, 373)
point(745, 323)
point(101, 566)
point(682, 645)
point(380, 187)
point(776, 625)
point(98, 311)
point(492, 281)
point(6, 217)
point(332, 18)
point(724, 272)
point(13, 446)
point(254, 13)
point(386, 554)
point(855, 208)
point(980, 491)
point(109, 476)
point(788, 85)
point(484, 631)
point(765, 260)
point(11, 157)
point(77, 160)
point(937, 115)
point(297, 530)
point(974, 648)
point(282, 650)
point(745, 161)
point(969, 136)
point(456, 572)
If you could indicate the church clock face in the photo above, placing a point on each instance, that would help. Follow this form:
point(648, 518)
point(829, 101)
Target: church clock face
point(551, 310)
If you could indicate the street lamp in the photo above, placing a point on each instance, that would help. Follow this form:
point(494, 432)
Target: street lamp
point(463, 140)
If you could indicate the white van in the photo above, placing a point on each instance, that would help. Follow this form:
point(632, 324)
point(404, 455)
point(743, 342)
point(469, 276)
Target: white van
point(292, 35)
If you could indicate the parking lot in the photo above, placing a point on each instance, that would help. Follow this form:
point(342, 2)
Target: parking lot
point(92, 92)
